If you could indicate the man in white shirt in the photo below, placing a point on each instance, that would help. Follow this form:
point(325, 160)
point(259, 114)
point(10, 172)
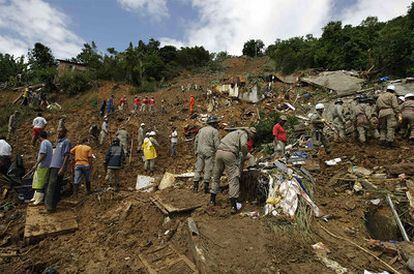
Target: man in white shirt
point(174, 141)
point(39, 123)
point(5, 155)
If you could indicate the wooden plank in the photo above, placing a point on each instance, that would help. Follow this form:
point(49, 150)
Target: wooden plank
point(155, 202)
point(40, 223)
point(171, 209)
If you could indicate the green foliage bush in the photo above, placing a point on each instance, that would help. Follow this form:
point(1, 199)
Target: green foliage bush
point(75, 82)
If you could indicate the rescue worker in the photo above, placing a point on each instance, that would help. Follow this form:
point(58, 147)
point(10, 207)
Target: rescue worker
point(5, 156)
point(407, 111)
point(94, 133)
point(192, 103)
point(102, 108)
point(123, 137)
point(39, 123)
point(114, 160)
point(373, 118)
point(141, 135)
point(149, 148)
point(279, 133)
point(151, 104)
point(12, 126)
point(205, 146)
point(123, 103)
point(339, 119)
point(318, 124)
point(230, 155)
point(145, 102)
point(361, 118)
point(25, 97)
point(61, 122)
point(388, 108)
point(82, 156)
point(104, 131)
point(174, 141)
point(137, 104)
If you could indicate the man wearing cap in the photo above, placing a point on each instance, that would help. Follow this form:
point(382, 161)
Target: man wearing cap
point(361, 118)
point(407, 110)
point(388, 108)
point(205, 145)
point(12, 124)
point(230, 155)
point(141, 136)
point(318, 124)
point(280, 136)
point(39, 123)
point(149, 148)
point(338, 118)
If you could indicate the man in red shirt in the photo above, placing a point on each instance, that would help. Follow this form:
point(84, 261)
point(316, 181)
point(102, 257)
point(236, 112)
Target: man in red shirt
point(280, 136)
point(137, 104)
point(144, 104)
point(151, 104)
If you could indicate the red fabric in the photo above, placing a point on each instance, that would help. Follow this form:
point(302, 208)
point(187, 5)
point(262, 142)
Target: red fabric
point(151, 101)
point(136, 101)
point(122, 101)
point(145, 101)
point(36, 131)
point(279, 133)
point(250, 144)
point(192, 103)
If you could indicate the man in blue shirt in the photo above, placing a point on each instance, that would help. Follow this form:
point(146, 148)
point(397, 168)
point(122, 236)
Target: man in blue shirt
point(57, 171)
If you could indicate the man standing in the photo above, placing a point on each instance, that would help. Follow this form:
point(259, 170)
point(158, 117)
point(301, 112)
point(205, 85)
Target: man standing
point(361, 118)
point(174, 141)
point(149, 148)
point(230, 155)
point(192, 104)
point(151, 104)
point(137, 104)
point(12, 125)
point(114, 160)
point(318, 124)
point(123, 103)
point(110, 106)
point(39, 123)
point(339, 119)
point(123, 137)
point(407, 110)
point(102, 108)
point(141, 134)
point(58, 168)
point(280, 136)
point(82, 154)
point(205, 146)
point(5, 155)
point(387, 105)
point(144, 104)
point(41, 168)
point(104, 131)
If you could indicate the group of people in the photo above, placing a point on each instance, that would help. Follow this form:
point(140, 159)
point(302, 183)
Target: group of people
point(139, 104)
point(215, 156)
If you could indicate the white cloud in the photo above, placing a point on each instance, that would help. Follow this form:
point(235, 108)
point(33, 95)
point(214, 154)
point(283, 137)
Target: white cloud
point(226, 25)
point(26, 22)
point(156, 9)
point(384, 10)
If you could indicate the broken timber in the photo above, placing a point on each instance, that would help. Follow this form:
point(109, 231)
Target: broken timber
point(39, 223)
point(195, 248)
point(166, 259)
point(168, 209)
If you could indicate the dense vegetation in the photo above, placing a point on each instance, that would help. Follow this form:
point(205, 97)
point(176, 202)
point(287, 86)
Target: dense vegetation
point(384, 48)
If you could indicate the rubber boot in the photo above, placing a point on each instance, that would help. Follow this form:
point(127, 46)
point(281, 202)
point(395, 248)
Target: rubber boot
point(213, 199)
point(39, 198)
point(195, 186)
point(88, 188)
point(206, 187)
point(35, 195)
point(233, 203)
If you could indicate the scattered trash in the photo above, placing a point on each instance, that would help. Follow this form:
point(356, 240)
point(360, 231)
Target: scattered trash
point(369, 272)
point(360, 171)
point(358, 187)
point(375, 201)
point(321, 252)
point(333, 162)
point(252, 214)
point(167, 181)
point(145, 183)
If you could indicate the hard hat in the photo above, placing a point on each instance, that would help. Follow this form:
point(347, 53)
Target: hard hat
point(391, 88)
point(319, 106)
point(251, 130)
point(283, 118)
point(339, 101)
point(402, 98)
point(212, 119)
point(152, 133)
point(142, 124)
point(409, 95)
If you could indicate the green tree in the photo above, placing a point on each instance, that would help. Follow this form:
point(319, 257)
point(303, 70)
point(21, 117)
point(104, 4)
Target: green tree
point(90, 56)
point(253, 48)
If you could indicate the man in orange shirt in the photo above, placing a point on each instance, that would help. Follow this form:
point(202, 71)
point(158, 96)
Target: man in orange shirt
point(192, 103)
point(83, 165)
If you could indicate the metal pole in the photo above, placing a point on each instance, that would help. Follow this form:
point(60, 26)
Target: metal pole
point(397, 218)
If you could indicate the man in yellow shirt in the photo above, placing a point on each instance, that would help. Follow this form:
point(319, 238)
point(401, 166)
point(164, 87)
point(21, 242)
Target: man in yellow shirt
point(83, 165)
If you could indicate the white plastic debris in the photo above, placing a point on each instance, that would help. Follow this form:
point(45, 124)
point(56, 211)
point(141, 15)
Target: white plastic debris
point(333, 162)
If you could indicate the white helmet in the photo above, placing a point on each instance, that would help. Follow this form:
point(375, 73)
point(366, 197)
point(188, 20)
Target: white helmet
point(391, 87)
point(409, 95)
point(402, 98)
point(319, 106)
point(152, 133)
point(142, 124)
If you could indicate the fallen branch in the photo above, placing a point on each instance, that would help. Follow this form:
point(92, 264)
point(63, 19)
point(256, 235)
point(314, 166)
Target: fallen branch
point(363, 249)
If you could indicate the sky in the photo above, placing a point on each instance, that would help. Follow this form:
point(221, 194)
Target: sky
point(218, 25)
